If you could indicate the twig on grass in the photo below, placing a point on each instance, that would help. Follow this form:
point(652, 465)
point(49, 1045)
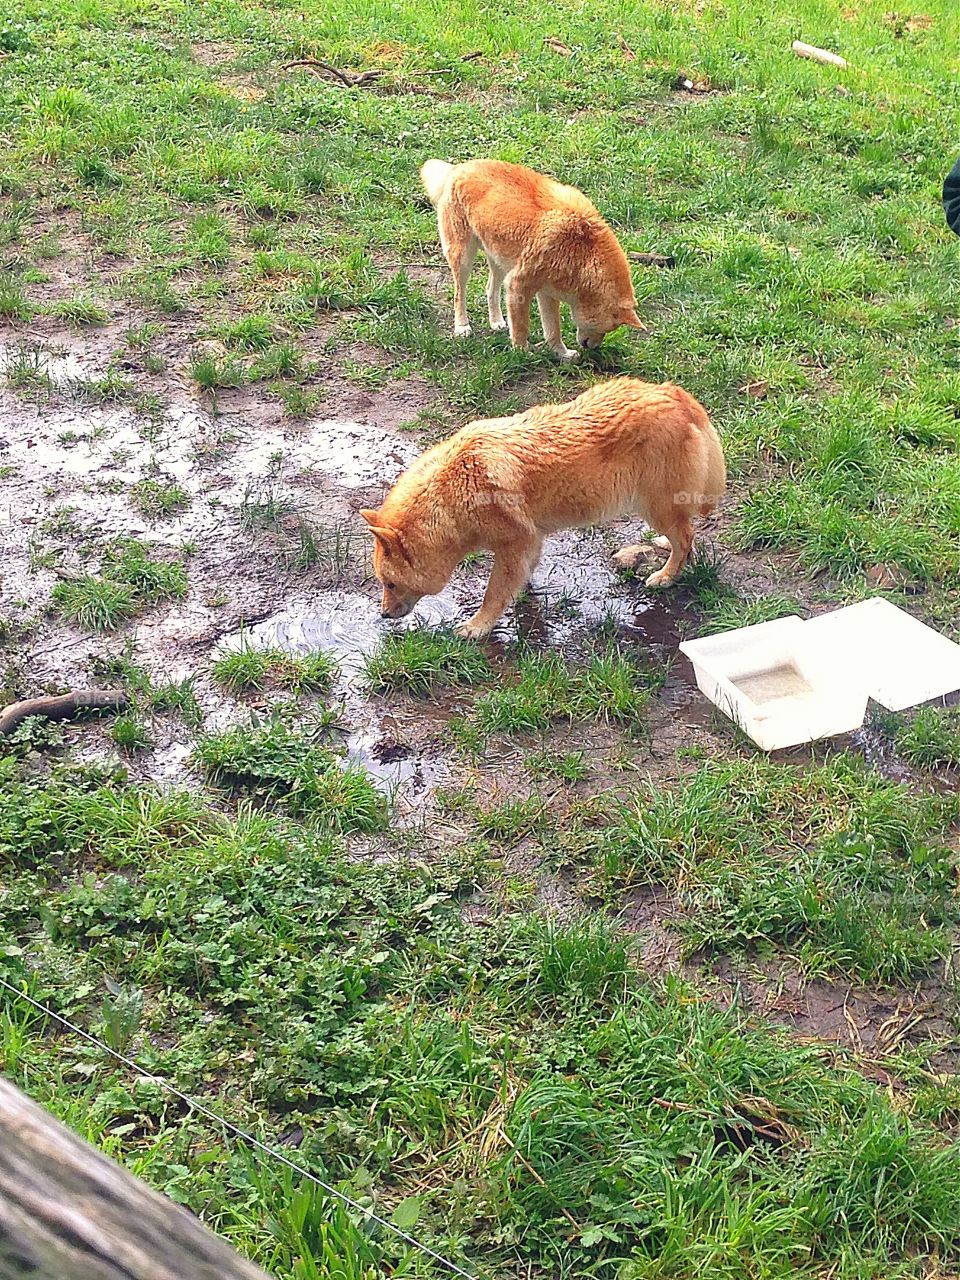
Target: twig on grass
point(818, 55)
point(349, 79)
point(654, 259)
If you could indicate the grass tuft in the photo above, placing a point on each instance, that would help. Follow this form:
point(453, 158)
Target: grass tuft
point(420, 660)
point(251, 668)
point(80, 311)
point(130, 580)
point(159, 499)
point(932, 739)
point(275, 762)
point(546, 689)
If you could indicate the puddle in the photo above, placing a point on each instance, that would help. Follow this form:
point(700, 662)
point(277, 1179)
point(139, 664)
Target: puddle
point(345, 624)
point(878, 750)
point(395, 766)
point(348, 626)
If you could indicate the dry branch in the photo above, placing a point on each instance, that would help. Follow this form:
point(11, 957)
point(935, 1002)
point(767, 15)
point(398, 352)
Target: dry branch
point(349, 79)
point(818, 55)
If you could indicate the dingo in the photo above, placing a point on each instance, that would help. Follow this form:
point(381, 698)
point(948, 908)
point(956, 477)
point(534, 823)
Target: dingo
point(503, 485)
point(540, 238)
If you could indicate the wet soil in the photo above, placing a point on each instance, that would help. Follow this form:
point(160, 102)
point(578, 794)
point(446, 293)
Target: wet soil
point(68, 470)
point(252, 480)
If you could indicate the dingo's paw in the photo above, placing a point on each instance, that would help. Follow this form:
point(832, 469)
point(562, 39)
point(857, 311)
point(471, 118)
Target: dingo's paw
point(473, 630)
point(659, 579)
point(463, 330)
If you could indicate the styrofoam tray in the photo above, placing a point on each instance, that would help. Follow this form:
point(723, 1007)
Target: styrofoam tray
point(777, 681)
point(900, 661)
point(789, 681)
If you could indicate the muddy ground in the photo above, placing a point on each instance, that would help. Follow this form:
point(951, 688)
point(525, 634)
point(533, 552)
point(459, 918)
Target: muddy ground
point(255, 481)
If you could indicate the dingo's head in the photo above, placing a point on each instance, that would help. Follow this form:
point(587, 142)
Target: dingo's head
point(403, 582)
point(594, 320)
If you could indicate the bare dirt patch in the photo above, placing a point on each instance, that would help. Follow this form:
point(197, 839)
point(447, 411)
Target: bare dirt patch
point(213, 53)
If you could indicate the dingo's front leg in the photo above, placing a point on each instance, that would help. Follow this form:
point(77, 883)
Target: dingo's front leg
point(519, 297)
point(553, 334)
point(513, 564)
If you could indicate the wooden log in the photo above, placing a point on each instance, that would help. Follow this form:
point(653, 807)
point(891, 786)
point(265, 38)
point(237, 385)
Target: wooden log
point(818, 55)
point(62, 706)
point(69, 1213)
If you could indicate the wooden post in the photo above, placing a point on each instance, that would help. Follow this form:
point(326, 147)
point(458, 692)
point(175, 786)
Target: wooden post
point(69, 1213)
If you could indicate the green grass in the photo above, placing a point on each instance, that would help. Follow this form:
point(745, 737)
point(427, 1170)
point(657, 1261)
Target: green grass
point(847, 871)
point(546, 689)
point(80, 311)
point(14, 304)
point(147, 694)
point(273, 761)
point(570, 767)
point(814, 218)
point(327, 550)
point(213, 374)
point(421, 660)
point(281, 360)
point(258, 669)
point(734, 611)
point(250, 333)
point(130, 581)
point(111, 388)
point(129, 733)
point(96, 604)
point(398, 997)
point(26, 372)
point(141, 336)
point(159, 499)
point(525, 1081)
point(932, 739)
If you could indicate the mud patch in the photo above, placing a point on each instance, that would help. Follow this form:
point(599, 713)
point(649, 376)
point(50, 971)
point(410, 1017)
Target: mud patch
point(872, 1023)
point(68, 472)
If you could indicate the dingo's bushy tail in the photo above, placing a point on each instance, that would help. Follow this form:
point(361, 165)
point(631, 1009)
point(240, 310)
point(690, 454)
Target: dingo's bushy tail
point(434, 175)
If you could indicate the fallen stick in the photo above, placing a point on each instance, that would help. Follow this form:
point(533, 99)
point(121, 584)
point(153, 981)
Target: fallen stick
point(818, 55)
point(63, 706)
point(654, 259)
point(349, 79)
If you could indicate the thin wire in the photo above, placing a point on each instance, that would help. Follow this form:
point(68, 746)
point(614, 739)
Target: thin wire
point(246, 1137)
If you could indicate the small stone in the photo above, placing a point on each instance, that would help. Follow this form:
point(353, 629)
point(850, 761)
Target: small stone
point(629, 557)
point(891, 577)
point(758, 390)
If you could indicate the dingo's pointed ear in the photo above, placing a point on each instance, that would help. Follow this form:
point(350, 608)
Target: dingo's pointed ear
point(631, 318)
point(388, 537)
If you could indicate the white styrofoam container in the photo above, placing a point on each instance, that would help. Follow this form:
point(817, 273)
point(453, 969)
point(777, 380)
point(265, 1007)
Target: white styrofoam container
point(901, 661)
point(776, 680)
